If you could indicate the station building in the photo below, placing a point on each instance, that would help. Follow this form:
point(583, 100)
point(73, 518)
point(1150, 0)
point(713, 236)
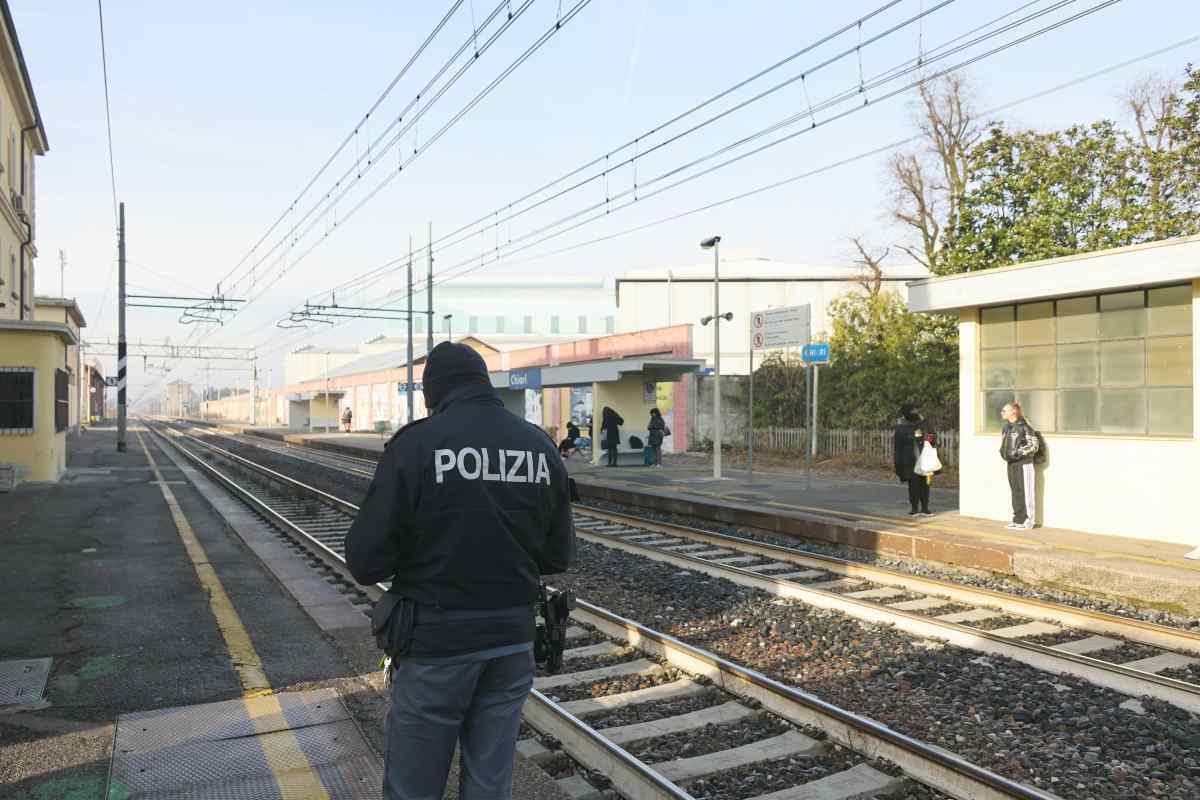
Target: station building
point(1098, 349)
point(35, 364)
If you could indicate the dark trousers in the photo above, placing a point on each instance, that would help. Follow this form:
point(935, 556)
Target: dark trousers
point(612, 453)
point(434, 705)
point(1022, 481)
point(918, 493)
point(657, 455)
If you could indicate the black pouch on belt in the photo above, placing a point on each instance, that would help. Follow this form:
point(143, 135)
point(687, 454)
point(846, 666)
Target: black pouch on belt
point(392, 622)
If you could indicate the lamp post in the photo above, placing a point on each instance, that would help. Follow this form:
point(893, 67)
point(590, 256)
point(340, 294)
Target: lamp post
point(449, 318)
point(714, 243)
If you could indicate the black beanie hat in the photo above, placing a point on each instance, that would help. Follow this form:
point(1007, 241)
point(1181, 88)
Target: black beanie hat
point(451, 365)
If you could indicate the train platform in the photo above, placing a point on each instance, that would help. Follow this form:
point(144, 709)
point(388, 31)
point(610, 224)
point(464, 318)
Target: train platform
point(872, 516)
point(156, 640)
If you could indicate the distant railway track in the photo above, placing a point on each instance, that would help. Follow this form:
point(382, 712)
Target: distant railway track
point(804, 726)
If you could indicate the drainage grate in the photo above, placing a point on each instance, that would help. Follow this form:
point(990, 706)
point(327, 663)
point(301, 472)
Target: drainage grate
point(23, 681)
point(291, 745)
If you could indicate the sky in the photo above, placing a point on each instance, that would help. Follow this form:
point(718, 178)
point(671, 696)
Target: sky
point(222, 112)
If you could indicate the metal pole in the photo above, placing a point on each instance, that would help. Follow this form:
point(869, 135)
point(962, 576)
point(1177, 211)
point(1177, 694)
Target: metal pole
point(812, 450)
point(717, 360)
point(408, 389)
point(429, 297)
point(121, 347)
point(750, 452)
point(253, 391)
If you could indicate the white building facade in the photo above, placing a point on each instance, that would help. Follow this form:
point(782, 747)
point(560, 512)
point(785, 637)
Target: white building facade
point(1098, 348)
point(662, 297)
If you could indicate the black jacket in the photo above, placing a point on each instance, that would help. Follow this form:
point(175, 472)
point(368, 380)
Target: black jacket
point(657, 430)
point(466, 510)
point(1019, 444)
point(610, 426)
point(910, 441)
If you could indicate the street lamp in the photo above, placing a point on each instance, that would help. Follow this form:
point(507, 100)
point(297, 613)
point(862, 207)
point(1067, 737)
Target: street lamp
point(449, 319)
point(714, 243)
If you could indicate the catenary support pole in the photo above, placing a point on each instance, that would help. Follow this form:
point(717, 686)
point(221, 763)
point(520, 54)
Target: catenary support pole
point(717, 360)
point(121, 345)
point(750, 444)
point(429, 297)
point(408, 388)
point(253, 391)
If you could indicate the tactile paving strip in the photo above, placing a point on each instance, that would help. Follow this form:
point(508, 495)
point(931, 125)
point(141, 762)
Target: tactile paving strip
point(23, 680)
point(281, 746)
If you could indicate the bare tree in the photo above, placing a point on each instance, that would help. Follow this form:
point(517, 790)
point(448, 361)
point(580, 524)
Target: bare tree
point(930, 183)
point(1155, 104)
point(871, 266)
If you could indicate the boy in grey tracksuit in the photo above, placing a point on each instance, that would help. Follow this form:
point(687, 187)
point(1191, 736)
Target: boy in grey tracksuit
point(1019, 447)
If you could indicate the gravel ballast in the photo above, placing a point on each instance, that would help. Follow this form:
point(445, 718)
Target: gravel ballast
point(1055, 732)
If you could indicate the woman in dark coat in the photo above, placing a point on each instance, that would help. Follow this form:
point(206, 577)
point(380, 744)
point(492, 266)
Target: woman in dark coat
point(912, 432)
point(658, 430)
point(610, 429)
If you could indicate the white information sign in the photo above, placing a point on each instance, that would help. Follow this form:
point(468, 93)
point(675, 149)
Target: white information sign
point(780, 327)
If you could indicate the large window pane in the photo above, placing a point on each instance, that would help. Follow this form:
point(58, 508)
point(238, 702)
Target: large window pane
point(1078, 320)
point(1035, 323)
point(1078, 411)
point(996, 328)
point(1123, 363)
point(1078, 365)
point(1170, 361)
point(1171, 310)
point(1122, 315)
point(999, 369)
point(992, 403)
point(1123, 410)
point(1035, 367)
point(1171, 411)
point(1038, 408)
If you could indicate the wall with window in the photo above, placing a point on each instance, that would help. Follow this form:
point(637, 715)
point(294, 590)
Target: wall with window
point(1109, 380)
point(30, 412)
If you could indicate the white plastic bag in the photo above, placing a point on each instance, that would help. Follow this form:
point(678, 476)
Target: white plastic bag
point(929, 462)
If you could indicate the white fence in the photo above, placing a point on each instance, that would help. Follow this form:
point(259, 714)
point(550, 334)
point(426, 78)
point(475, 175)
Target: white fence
point(873, 444)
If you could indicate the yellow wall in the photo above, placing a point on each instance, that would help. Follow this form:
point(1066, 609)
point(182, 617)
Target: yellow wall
point(624, 397)
point(1138, 487)
point(41, 455)
point(324, 411)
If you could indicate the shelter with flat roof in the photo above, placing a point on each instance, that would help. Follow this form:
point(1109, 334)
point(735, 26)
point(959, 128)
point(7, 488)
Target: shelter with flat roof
point(1098, 349)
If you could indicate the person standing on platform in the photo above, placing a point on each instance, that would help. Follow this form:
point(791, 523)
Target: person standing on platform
point(610, 429)
point(912, 433)
point(1020, 447)
point(658, 431)
point(468, 508)
point(347, 418)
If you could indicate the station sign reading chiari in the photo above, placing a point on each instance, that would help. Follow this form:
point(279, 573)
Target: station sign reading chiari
point(780, 327)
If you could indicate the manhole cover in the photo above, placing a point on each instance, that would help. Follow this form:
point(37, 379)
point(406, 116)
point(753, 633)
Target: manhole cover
point(23, 680)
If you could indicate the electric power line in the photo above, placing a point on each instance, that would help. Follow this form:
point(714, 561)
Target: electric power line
point(112, 169)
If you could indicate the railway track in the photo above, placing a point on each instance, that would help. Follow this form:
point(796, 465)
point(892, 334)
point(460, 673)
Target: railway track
point(1132, 657)
point(819, 750)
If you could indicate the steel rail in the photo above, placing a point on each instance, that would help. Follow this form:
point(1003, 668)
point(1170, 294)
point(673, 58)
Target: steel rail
point(1083, 619)
point(1127, 681)
point(926, 763)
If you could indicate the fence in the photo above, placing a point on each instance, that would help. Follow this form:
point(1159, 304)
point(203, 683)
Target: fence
point(873, 444)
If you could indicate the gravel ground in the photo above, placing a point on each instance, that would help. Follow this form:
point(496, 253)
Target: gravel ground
point(1005, 716)
point(998, 583)
point(661, 709)
point(709, 739)
point(754, 780)
point(347, 486)
point(1190, 673)
point(996, 623)
point(628, 683)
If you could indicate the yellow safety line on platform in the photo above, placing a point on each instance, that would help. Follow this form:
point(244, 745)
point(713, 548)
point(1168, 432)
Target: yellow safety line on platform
point(293, 773)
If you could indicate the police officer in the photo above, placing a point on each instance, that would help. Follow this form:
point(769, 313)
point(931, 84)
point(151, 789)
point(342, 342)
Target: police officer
point(467, 509)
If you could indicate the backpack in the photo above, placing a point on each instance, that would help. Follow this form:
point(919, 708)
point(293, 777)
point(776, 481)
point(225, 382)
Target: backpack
point(1040, 456)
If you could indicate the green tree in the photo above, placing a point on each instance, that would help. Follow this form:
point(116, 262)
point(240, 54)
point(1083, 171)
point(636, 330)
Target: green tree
point(882, 356)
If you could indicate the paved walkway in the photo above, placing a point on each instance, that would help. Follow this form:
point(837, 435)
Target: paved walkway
point(156, 616)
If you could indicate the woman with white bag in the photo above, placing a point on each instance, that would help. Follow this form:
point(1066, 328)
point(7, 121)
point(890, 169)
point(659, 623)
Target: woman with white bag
point(916, 458)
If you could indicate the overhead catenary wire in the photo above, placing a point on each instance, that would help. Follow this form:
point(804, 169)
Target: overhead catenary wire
point(604, 209)
point(577, 8)
point(350, 136)
point(862, 156)
point(112, 168)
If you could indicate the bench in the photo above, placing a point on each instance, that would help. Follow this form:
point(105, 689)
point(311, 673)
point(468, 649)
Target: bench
point(627, 455)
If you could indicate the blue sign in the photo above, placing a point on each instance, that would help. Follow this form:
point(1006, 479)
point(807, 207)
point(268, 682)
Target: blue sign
point(402, 387)
point(525, 378)
point(815, 353)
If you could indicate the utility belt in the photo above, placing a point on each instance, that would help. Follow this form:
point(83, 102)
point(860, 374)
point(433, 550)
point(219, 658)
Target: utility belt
point(404, 627)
